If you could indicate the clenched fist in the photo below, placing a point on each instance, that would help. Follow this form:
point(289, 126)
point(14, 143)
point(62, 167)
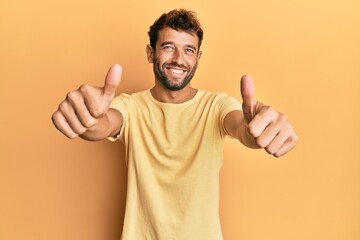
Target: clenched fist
point(269, 128)
point(84, 108)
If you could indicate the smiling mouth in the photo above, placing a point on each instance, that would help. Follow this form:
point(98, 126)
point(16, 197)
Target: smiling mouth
point(176, 71)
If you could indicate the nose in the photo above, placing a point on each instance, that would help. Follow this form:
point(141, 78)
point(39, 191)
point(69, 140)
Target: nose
point(178, 57)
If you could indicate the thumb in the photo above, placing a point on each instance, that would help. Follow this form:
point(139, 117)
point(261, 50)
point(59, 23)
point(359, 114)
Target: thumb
point(112, 81)
point(248, 96)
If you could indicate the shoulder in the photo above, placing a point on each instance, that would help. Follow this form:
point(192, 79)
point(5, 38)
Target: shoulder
point(124, 101)
point(217, 97)
point(129, 97)
point(222, 102)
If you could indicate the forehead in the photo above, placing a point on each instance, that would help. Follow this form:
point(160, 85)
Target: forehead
point(168, 34)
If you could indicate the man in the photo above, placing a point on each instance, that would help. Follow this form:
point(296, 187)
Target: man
point(173, 134)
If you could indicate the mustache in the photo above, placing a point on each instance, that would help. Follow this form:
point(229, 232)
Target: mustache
point(174, 64)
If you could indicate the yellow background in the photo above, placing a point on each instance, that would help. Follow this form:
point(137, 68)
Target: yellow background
point(303, 55)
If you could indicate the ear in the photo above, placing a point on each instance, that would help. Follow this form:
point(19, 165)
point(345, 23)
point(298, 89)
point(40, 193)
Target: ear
point(149, 53)
point(198, 58)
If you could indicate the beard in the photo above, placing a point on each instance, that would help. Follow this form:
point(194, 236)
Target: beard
point(164, 79)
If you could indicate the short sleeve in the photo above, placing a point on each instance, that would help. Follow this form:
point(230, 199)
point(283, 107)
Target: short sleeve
point(120, 103)
point(227, 104)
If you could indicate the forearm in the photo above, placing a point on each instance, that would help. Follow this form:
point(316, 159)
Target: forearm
point(237, 127)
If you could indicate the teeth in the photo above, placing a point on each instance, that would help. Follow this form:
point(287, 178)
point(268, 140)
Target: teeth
point(176, 71)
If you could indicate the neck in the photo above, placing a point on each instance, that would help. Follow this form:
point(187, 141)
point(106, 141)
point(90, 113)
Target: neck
point(161, 94)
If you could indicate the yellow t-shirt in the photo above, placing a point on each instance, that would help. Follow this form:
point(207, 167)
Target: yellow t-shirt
point(174, 153)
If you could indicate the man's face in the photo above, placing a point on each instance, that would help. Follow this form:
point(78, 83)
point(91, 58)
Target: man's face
point(175, 58)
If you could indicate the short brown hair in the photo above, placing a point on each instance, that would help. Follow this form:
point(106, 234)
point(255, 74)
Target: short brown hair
point(178, 19)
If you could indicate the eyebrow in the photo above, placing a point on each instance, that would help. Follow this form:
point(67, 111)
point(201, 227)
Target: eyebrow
point(166, 43)
point(192, 47)
point(172, 43)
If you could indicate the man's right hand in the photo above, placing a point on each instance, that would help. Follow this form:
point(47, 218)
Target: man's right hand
point(83, 109)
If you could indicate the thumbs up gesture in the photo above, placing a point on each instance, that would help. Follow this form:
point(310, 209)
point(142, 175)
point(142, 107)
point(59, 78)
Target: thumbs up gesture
point(269, 128)
point(83, 109)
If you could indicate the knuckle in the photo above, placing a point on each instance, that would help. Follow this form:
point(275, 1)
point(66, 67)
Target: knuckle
point(267, 109)
point(80, 130)
point(77, 128)
point(270, 150)
point(283, 118)
point(253, 131)
point(71, 96)
point(84, 88)
point(54, 117)
point(89, 122)
point(295, 138)
point(260, 143)
point(62, 107)
point(97, 112)
point(273, 112)
point(72, 135)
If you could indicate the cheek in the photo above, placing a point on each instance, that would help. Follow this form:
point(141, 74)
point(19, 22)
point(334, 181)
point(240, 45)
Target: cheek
point(192, 62)
point(163, 58)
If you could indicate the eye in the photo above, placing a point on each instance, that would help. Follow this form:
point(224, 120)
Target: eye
point(168, 48)
point(190, 50)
